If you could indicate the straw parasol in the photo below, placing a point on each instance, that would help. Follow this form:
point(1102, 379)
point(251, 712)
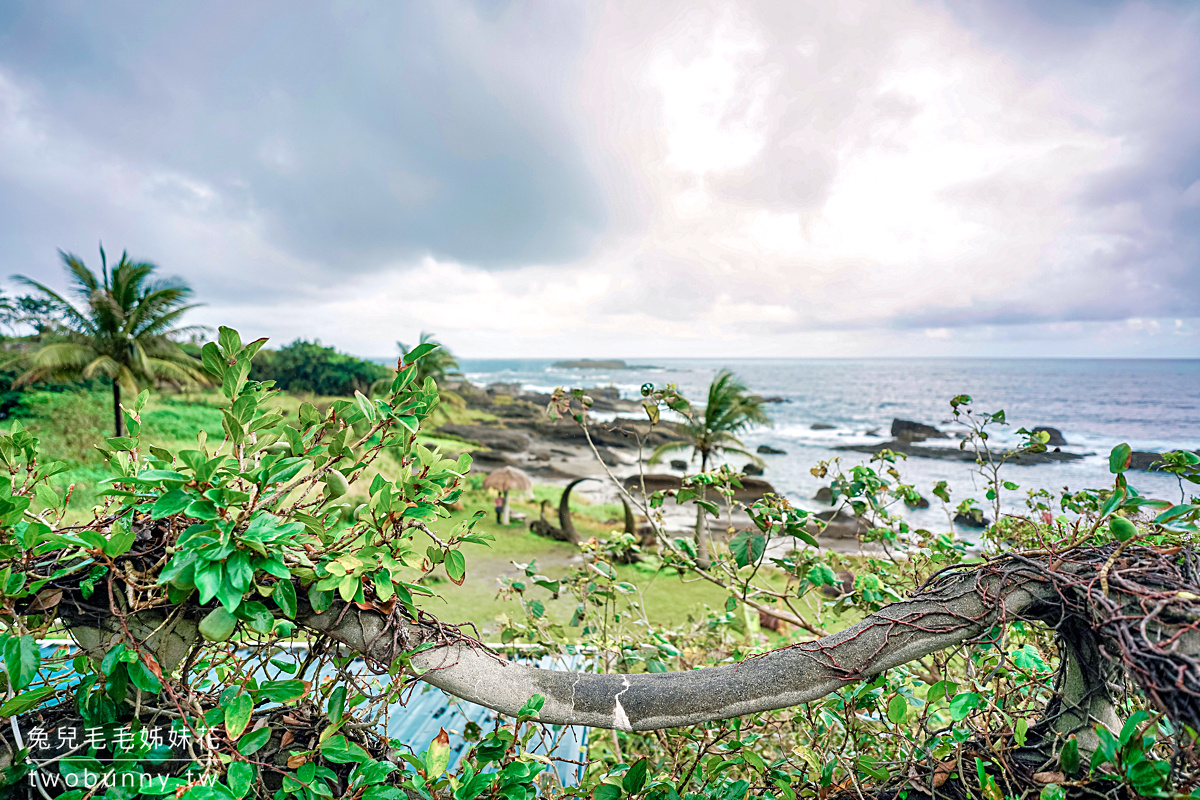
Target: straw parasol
point(508, 479)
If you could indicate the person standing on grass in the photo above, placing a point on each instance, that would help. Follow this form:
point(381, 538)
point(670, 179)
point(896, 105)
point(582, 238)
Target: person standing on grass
point(499, 508)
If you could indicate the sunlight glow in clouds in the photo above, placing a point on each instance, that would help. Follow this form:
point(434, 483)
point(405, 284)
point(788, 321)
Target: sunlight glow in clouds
point(777, 178)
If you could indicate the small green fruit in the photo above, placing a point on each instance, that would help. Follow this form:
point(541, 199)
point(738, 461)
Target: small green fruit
point(336, 484)
point(218, 625)
point(1122, 529)
point(278, 449)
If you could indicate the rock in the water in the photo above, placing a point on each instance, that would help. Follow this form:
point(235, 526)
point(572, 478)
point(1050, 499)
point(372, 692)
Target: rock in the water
point(917, 502)
point(775, 399)
point(908, 431)
point(766, 449)
point(824, 495)
point(976, 520)
point(1056, 437)
point(1139, 459)
point(679, 464)
point(871, 432)
point(591, 363)
point(954, 454)
point(821, 426)
point(752, 469)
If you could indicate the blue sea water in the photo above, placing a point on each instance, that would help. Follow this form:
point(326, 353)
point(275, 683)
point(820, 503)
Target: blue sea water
point(1150, 404)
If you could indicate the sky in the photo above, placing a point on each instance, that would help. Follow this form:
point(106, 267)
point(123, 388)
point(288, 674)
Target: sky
point(760, 178)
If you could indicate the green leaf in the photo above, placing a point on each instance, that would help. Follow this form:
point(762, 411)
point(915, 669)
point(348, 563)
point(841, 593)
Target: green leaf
point(1053, 791)
point(254, 741)
point(171, 502)
point(963, 704)
point(606, 791)
point(319, 600)
point(1119, 458)
point(210, 357)
point(143, 678)
point(1020, 730)
point(282, 691)
point(237, 715)
point(25, 701)
point(532, 706)
point(747, 547)
point(218, 625)
point(120, 539)
point(419, 351)
point(456, 566)
point(635, 778)
point(941, 689)
point(285, 598)
point(336, 707)
point(1068, 758)
point(340, 751)
point(239, 777)
point(822, 574)
point(1122, 529)
point(22, 658)
point(229, 341)
point(897, 710)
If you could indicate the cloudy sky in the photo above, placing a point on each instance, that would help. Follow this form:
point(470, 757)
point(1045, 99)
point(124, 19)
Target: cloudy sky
point(758, 178)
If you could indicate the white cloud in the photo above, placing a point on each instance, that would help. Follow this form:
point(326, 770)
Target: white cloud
point(784, 178)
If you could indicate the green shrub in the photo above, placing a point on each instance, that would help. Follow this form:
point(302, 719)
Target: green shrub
point(304, 366)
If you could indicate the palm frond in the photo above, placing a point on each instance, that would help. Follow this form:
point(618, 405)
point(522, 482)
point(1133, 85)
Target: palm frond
point(668, 447)
point(103, 365)
point(55, 297)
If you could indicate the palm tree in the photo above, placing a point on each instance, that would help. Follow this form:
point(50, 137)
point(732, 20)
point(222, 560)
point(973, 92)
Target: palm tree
point(439, 364)
point(730, 410)
point(123, 330)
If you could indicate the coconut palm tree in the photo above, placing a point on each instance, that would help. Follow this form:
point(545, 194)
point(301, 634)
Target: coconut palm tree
point(123, 329)
point(712, 432)
point(439, 364)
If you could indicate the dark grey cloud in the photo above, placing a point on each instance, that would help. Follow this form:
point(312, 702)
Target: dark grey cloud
point(355, 133)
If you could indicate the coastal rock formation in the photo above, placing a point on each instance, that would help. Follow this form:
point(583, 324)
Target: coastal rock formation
point(1142, 460)
point(908, 431)
point(976, 520)
point(679, 464)
point(501, 439)
point(917, 502)
point(621, 433)
point(1056, 437)
point(954, 454)
point(752, 469)
point(766, 449)
point(840, 525)
point(589, 363)
point(824, 495)
point(821, 426)
point(752, 488)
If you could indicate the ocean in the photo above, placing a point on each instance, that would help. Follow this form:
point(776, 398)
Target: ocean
point(1152, 405)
